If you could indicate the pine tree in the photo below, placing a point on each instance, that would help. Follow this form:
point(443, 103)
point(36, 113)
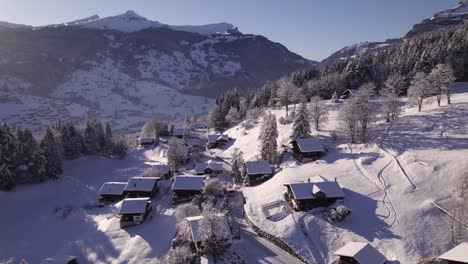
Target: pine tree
point(268, 139)
point(7, 158)
point(236, 166)
point(109, 145)
point(301, 125)
point(120, 148)
point(217, 118)
point(29, 165)
point(50, 154)
point(90, 138)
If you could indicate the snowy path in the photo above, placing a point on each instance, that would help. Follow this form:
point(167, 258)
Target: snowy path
point(392, 213)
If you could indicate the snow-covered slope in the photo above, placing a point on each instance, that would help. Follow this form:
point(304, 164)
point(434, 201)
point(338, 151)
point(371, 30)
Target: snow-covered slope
point(389, 185)
point(460, 9)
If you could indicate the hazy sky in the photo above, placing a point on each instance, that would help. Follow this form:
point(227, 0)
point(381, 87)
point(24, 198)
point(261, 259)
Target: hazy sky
point(311, 28)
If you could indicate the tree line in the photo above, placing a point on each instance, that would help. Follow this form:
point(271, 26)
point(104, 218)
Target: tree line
point(25, 158)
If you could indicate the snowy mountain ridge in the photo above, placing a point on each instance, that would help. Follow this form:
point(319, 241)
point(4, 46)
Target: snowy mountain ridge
point(460, 9)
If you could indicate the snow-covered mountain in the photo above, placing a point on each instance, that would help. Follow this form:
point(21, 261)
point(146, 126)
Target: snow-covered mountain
point(88, 67)
point(461, 9)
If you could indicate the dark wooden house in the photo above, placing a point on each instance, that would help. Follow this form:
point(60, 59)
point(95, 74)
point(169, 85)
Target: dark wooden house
point(148, 142)
point(359, 253)
point(217, 141)
point(199, 126)
point(457, 255)
point(257, 170)
point(348, 93)
point(181, 132)
point(141, 187)
point(307, 148)
point(304, 196)
point(210, 167)
point(134, 211)
point(185, 186)
point(111, 191)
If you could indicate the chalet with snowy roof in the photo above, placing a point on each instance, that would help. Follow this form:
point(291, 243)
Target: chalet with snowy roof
point(217, 141)
point(141, 187)
point(195, 223)
point(307, 148)
point(359, 253)
point(209, 167)
point(162, 170)
point(111, 191)
point(257, 170)
point(147, 141)
point(457, 255)
point(348, 93)
point(199, 126)
point(134, 211)
point(185, 186)
point(307, 195)
point(181, 132)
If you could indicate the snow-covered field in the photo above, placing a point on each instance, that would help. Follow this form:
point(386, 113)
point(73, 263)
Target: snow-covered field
point(389, 185)
point(61, 217)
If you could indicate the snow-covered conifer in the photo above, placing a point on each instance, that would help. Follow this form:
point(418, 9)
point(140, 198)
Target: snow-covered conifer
point(301, 125)
point(50, 155)
point(8, 153)
point(268, 138)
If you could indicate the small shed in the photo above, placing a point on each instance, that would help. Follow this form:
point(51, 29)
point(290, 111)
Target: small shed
point(148, 141)
point(134, 211)
point(112, 191)
point(181, 132)
point(457, 255)
point(199, 126)
point(141, 187)
point(359, 253)
point(257, 170)
point(307, 195)
point(307, 148)
point(349, 93)
point(209, 167)
point(217, 141)
point(185, 186)
point(162, 170)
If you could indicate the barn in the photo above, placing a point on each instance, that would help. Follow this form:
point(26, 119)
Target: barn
point(134, 211)
point(257, 170)
point(457, 255)
point(217, 141)
point(348, 93)
point(308, 195)
point(185, 186)
point(307, 148)
point(209, 167)
point(111, 191)
point(141, 187)
point(359, 253)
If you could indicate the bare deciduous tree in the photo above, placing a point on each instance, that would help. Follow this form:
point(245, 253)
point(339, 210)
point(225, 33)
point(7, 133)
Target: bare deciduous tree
point(318, 112)
point(419, 89)
point(393, 87)
point(286, 92)
point(441, 77)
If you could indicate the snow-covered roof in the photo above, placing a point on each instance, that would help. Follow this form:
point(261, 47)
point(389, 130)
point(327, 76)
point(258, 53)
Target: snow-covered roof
point(214, 138)
point(258, 167)
point(199, 125)
point(305, 190)
point(210, 164)
point(458, 253)
point(141, 184)
point(133, 206)
point(351, 91)
point(180, 131)
point(147, 140)
point(363, 253)
point(310, 144)
point(112, 188)
point(188, 183)
point(195, 223)
point(162, 168)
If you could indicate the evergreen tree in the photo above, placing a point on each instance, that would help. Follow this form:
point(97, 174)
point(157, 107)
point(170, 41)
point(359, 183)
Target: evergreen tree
point(268, 139)
point(217, 118)
point(236, 166)
point(8, 154)
point(109, 145)
point(50, 155)
point(120, 148)
point(29, 165)
point(90, 138)
point(301, 125)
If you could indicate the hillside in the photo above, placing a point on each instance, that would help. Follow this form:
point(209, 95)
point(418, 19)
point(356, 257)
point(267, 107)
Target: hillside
point(143, 69)
point(389, 185)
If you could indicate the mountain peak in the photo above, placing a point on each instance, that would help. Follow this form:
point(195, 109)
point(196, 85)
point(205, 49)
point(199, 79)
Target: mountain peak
point(132, 14)
point(461, 9)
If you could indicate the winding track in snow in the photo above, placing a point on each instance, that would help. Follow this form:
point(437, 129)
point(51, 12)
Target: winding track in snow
point(391, 209)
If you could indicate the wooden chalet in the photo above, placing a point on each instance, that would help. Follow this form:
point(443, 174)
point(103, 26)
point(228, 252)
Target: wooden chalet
point(134, 211)
point(217, 141)
point(141, 187)
point(349, 93)
point(308, 195)
point(307, 148)
point(199, 126)
point(181, 132)
point(111, 191)
point(457, 255)
point(148, 141)
point(359, 253)
point(185, 186)
point(195, 230)
point(210, 167)
point(257, 170)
